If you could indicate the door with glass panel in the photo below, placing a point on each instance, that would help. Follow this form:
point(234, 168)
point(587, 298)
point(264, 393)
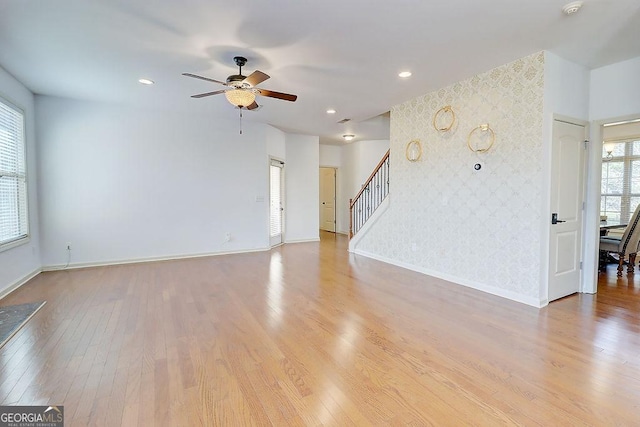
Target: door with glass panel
point(276, 202)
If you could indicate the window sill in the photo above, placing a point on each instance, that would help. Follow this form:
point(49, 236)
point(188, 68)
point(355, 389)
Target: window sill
point(15, 243)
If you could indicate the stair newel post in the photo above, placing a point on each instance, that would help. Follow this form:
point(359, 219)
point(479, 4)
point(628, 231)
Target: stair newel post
point(350, 218)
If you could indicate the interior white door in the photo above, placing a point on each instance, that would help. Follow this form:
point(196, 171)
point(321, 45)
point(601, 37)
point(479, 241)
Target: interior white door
point(276, 206)
point(328, 199)
point(567, 195)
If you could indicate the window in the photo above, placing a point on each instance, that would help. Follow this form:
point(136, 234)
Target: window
point(14, 218)
point(620, 180)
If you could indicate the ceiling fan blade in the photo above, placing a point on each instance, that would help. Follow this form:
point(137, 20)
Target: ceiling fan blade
point(279, 95)
point(203, 78)
point(256, 78)
point(253, 106)
point(202, 95)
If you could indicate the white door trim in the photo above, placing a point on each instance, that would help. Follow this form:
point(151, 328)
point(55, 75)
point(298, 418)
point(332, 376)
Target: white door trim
point(592, 212)
point(272, 161)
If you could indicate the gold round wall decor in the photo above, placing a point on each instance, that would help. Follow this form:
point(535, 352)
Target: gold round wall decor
point(414, 150)
point(489, 135)
point(444, 110)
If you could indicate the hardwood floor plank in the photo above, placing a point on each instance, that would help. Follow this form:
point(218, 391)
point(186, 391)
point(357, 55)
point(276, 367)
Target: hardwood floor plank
point(308, 334)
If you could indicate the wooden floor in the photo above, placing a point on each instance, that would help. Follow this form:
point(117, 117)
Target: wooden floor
point(307, 334)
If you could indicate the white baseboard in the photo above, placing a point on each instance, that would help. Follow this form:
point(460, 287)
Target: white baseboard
point(57, 267)
point(149, 259)
point(316, 239)
point(15, 285)
point(510, 295)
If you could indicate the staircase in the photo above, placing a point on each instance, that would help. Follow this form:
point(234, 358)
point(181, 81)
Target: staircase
point(370, 196)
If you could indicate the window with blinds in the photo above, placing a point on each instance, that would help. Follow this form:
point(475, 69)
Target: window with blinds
point(14, 218)
point(620, 187)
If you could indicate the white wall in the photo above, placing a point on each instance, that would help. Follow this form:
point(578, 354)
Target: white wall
point(124, 184)
point(276, 146)
point(21, 262)
point(566, 88)
point(330, 156)
point(302, 188)
point(615, 90)
point(566, 93)
point(362, 157)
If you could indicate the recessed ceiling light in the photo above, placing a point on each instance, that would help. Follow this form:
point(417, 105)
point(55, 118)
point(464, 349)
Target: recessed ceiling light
point(348, 137)
point(146, 81)
point(571, 8)
point(404, 74)
point(331, 111)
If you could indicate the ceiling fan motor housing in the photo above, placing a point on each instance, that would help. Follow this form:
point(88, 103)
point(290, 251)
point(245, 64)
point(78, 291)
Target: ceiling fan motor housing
point(237, 81)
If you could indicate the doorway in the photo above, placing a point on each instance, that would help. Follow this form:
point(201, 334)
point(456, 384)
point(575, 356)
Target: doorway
point(328, 199)
point(568, 149)
point(276, 202)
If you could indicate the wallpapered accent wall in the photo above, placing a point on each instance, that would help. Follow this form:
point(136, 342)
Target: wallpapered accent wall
point(477, 228)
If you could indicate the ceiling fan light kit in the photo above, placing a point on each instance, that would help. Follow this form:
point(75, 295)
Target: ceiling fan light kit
point(242, 89)
point(240, 97)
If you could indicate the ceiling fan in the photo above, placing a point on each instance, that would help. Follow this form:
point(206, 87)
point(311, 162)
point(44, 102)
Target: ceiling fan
point(242, 90)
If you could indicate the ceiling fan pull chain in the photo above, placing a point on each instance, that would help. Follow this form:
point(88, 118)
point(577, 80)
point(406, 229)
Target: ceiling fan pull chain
point(240, 121)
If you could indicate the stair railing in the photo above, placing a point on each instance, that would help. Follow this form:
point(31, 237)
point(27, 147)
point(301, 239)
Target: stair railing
point(370, 196)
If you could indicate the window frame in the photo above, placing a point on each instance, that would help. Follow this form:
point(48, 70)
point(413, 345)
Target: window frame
point(627, 160)
point(21, 239)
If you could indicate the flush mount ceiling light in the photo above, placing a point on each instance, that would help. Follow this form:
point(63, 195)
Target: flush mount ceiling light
point(571, 8)
point(331, 111)
point(404, 74)
point(240, 97)
point(146, 81)
point(348, 137)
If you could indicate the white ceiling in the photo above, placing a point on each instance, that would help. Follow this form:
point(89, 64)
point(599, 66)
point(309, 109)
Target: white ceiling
point(343, 54)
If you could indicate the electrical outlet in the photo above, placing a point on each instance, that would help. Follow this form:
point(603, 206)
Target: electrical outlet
point(227, 237)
